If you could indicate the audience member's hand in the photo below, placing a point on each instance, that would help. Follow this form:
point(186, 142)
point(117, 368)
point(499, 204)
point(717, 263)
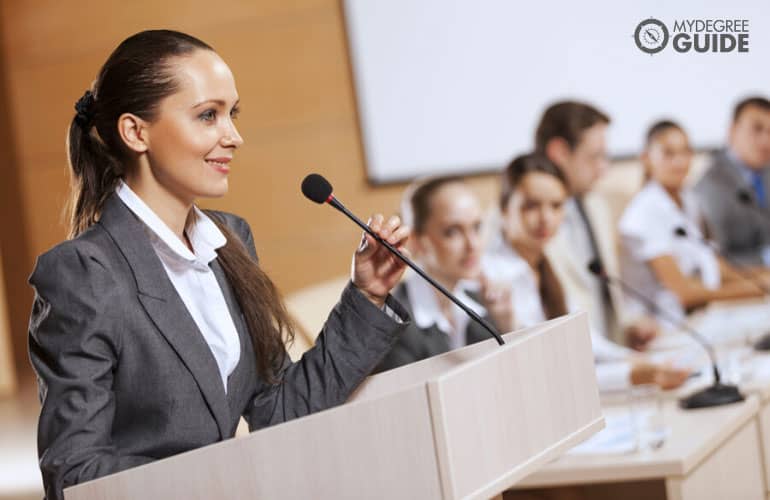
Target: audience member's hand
point(375, 270)
point(665, 376)
point(497, 299)
point(641, 333)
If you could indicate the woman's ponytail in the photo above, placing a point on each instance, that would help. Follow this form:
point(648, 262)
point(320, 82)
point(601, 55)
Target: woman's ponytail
point(94, 172)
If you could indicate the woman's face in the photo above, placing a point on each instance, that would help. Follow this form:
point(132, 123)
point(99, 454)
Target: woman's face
point(450, 242)
point(193, 139)
point(535, 209)
point(668, 158)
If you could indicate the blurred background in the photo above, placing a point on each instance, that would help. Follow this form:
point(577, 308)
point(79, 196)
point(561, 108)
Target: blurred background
point(338, 88)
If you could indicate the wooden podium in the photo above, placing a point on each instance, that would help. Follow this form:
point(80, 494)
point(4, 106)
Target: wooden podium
point(466, 424)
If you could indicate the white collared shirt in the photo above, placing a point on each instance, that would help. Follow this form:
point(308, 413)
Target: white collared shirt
point(192, 277)
point(580, 246)
point(426, 310)
point(648, 230)
point(503, 264)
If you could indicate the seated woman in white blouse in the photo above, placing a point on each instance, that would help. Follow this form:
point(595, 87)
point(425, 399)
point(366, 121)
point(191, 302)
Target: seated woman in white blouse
point(445, 216)
point(532, 201)
point(664, 253)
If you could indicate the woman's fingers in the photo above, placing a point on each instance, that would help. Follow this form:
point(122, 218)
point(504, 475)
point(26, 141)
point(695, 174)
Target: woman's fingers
point(391, 231)
point(393, 222)
point(368, 244)
point(399, 237)
point(375, 222)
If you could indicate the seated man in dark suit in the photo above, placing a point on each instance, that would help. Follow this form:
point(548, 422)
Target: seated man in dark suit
point(734, 193)
point(445, 216)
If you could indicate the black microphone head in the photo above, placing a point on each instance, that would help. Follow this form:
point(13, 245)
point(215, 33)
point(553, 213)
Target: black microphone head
point(316, 188)
point(681, 232)
point(595, 267)
point(743, 196)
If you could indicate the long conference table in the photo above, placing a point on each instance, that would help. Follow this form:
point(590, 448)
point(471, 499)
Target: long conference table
point(716, 453)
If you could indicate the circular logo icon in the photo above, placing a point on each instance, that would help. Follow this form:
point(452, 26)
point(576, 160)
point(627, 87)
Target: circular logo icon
point(651, 36)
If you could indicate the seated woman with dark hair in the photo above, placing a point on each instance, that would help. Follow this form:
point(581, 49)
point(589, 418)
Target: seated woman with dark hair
point(445, 216)
point(664, 254)
point(532, 201)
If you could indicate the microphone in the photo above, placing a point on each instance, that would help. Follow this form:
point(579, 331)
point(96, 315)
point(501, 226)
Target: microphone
point(316, 188)
point(763, 344)
point(715, 395)
point(682, 233)
point(747, 200)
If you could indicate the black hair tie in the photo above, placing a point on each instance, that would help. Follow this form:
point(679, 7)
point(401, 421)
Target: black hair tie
point(85, 110)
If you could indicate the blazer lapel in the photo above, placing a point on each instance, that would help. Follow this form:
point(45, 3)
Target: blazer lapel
point(165, 307)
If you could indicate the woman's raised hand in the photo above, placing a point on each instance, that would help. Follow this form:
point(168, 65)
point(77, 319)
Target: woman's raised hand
point(375, 270)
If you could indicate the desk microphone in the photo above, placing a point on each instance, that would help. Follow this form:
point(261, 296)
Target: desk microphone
point(316, 188)
point(716, 394)
point(747, 200)
point(747, 276)
point(763, 344)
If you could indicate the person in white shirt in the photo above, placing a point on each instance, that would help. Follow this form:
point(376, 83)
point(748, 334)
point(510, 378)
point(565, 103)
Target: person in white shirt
point(573, 136)
point(445, 216)
point(154, 329)
point(665, 254)
point(533, 195)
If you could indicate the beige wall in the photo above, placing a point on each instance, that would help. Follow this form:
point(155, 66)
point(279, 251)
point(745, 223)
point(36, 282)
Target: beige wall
point(292, 70)
point(7, 372)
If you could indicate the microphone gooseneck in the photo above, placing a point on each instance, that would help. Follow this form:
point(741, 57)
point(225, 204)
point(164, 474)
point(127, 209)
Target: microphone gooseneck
point(714, 395)
point(682, 233)
point(318, 189)
point(763, 344)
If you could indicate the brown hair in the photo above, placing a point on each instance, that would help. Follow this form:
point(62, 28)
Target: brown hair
point(551, 291)
point(658, 128)
point(568, 120)
point(134, 79)
point(420, 198)
point(760, 102)
point(655, 130)
point(521, 166)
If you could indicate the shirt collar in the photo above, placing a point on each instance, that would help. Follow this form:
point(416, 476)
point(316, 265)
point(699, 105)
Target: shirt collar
point(425, 307)
point(205, 237)
point(746, 172)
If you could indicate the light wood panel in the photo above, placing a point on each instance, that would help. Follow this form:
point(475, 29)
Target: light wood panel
point(7, 370)
point(695, 436)
point(466, 427)
point(733, 471)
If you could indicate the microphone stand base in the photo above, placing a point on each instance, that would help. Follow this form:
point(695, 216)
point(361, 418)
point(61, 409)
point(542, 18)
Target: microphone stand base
point(715, 395)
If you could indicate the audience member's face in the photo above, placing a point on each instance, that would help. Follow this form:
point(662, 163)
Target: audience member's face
point(750, 137)
point(586, 162)
point(450, 243)
point(535, 210)
point(668, 158)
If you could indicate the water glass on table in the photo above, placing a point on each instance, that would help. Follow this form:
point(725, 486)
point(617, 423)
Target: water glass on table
point(647, 415)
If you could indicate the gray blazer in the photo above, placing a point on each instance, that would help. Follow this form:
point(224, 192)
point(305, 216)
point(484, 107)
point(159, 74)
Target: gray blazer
point(418, 343)
point(125, 377)
point(740, 231)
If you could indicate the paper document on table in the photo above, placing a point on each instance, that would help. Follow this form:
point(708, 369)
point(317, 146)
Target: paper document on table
point(617, 438)
point(733, 324)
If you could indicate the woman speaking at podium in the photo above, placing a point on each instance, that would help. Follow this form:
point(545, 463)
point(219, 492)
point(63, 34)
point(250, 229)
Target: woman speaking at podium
point(153, 329)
